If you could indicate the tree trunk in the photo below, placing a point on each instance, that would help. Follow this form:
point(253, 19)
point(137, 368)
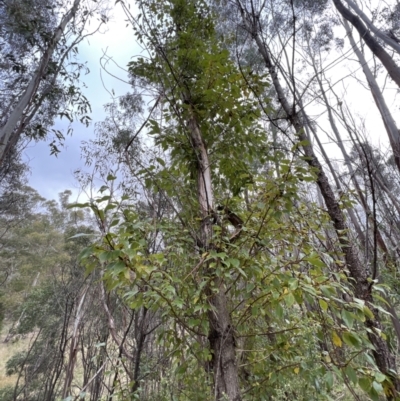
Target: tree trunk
point(347, 162)
point(374, 46)
point(362, 289)
point(388, 120)
point(385, 38)
point(17, 115)
point(222, 342)
point(69, 371)
point(140, 336)
point(309, 126)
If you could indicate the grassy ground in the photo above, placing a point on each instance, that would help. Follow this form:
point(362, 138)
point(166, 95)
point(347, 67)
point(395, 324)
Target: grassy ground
point(7, 350)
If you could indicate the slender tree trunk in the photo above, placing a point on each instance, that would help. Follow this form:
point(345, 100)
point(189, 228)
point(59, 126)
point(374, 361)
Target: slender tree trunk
point(69, 372)
point(140, 341)
point(347, 161)
point(95, 383)
point(222, 342)
point(309, 126)
point(112, 326)
point(385, 38)
point(362, 288)
point(388, 62)
point(388, 120)
point(17, 115)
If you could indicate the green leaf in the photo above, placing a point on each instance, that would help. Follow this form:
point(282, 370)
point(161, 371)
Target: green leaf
point(289, 299)
point(348, 318)
point(82, 235)
point(380, 377)
point(293, 283)
point(110, 206)
point(365, 383)
point(85, 253)
point(161, 161)
point(178, 302)
point(351, 339)
point(368, 313)
point(79, 205)
point(298, 294)
point(323, 304)
point(279, 311)
point(384, 301)
point(328, 290)
point(351, 374)
point(233, 262)
point(315, 260)
point(329, 379)
point(373, 393)
point(181, 369)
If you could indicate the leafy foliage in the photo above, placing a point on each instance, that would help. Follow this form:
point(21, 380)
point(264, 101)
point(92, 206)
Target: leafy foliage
point(136, 323)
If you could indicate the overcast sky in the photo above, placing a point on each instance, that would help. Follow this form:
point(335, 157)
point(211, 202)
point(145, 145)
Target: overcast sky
point(51, 175)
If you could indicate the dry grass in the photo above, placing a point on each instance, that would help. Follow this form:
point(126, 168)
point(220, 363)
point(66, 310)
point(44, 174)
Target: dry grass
point(7, 350)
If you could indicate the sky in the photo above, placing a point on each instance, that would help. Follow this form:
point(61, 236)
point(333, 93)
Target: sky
point(51, 175)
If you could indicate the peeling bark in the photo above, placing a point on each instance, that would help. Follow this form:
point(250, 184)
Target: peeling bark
point(221, 336)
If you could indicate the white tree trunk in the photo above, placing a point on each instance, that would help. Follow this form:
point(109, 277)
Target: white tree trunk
point(27, 97)
point(222, 342)
point(69, 371)
point(388, 40)
point(388, 120)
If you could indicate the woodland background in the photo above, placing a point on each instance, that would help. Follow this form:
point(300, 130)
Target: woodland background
point(236, 235)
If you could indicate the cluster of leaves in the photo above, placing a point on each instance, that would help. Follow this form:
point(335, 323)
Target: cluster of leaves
point(299, 330)
point(292, 323)
point(197, 76)
point(28, 28)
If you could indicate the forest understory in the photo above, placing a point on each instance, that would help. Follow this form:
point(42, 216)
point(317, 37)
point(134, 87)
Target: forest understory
point(236, 234)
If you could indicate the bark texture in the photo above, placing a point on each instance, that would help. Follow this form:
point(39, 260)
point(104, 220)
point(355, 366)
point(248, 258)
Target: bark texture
point(74, 347)
point(221, 336)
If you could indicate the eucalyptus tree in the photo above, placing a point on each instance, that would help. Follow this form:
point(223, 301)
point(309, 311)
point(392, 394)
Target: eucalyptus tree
point(46, 296)
point(39, 82)
point(364, 27)
point(256, 22)
point(215, 273)
point(240, 268)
